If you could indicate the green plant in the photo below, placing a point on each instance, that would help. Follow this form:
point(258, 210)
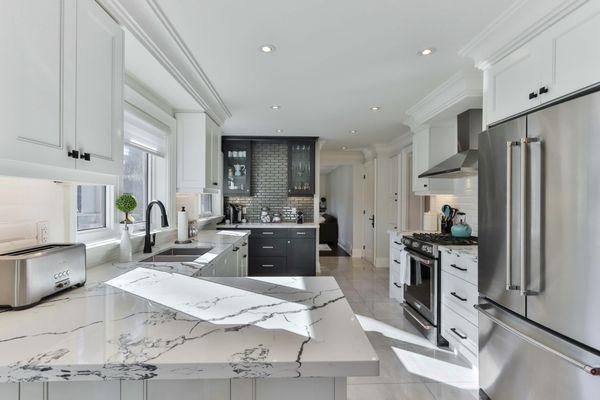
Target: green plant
point(126, 203)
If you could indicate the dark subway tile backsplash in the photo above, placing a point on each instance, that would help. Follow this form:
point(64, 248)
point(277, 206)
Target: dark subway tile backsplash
point(269, 184)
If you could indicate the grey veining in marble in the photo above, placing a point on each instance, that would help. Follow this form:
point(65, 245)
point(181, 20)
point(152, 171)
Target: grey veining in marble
point(467, 251)
point(160, 324)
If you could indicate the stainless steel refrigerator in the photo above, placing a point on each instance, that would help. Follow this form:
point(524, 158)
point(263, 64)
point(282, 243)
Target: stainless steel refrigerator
point(539, 254)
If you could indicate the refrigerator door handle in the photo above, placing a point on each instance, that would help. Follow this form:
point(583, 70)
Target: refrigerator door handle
point(579, 364)
point(523, 214)
point(509, 182)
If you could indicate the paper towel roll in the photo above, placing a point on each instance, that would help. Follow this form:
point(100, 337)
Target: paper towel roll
point(182, 225)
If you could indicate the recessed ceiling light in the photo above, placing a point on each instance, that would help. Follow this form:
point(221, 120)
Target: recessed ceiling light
point(354, 131)
point(344, 147)
point(267, 48)
point(375, 108)
point(275, 107)
point(428, 51)
point(279, 130)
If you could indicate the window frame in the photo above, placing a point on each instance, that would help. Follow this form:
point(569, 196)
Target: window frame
point(96, 234)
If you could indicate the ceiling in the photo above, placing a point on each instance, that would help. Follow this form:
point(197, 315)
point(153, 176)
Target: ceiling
point(334, 60)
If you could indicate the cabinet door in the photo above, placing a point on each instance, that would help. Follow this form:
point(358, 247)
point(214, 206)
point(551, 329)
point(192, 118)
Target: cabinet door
point(420, 160)
point(215, 168)
point(193, 152)
point(573, 52)
point(36, 77)
point(103, 390)
point(301, 257)
point(513, 83)
point(237, 167)
point(99, 127)
point(301, 168)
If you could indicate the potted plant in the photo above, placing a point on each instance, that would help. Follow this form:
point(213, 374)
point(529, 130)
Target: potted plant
point(126, 203)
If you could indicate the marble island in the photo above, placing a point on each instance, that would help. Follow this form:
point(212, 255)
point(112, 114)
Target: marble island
point(158, 323)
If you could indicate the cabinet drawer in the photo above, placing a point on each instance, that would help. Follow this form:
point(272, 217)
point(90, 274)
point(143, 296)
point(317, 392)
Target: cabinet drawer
point(458, 331)
point(459, 265)
point(396, 259)
point(395, 243)
point(459, 295)
point(268, 248)
point(302, 233)
point(269, 233)
point(267, 266)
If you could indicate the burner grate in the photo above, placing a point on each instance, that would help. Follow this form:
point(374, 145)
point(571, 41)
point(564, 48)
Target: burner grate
point(439, 238)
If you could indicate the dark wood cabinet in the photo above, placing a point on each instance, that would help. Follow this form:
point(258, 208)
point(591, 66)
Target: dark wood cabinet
point(282, 252)
point(301, 256)
point(237, 167)
point(301, 167)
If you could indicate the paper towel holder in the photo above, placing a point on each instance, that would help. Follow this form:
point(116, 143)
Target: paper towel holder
point(184, 222)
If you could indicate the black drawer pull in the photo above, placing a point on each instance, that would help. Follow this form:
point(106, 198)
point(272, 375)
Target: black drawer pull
point(85, 156)
point(236, 248)
point(268, 266)
point(457, 296)
point(463, 337)
point(532, 95)
point(458, 268)
point(268, 247)
point(267, 233)
point(398, 286)
point(244, 244)
point(73, 153)
point(399, 244)
point(397, 262)
point(300, 233)
point(245, 256)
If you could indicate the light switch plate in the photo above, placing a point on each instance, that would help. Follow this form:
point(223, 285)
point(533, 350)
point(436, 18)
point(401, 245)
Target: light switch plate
point(43, 232)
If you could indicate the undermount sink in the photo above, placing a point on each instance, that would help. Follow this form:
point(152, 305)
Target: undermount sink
point(178, 254)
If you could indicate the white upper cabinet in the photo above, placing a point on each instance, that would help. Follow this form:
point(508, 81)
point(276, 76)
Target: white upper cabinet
point(61, 78)
point(431, 145)
point(563, 59)
point(36, 79)
point(99, 128)
point(198, 148)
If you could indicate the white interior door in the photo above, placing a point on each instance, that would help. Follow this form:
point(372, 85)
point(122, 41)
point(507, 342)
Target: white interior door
point(369, 212)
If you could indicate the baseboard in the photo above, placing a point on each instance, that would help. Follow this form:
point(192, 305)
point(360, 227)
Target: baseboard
point(382, 262)
point(345, 247)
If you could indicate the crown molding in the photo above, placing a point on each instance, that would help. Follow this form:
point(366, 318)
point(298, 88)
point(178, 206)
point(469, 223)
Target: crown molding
point(517, 25)
point(144, 21)
point(460, 92)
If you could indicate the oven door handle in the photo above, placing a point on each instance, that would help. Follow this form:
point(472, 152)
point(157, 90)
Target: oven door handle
point(418, 258)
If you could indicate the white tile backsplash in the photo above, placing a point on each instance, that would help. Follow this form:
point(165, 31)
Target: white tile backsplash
point(464, 198)
point(25, 202)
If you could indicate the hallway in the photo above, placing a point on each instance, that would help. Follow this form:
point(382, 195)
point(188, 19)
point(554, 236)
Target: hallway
point(411, 368)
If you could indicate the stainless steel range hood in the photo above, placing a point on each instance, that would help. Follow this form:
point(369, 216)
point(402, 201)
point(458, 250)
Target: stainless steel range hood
point(464, 163)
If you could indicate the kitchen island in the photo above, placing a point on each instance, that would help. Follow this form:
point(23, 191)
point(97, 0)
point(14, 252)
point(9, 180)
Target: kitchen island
point(139, 332)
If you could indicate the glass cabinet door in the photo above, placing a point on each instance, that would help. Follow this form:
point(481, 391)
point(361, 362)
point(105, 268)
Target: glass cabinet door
point(237, 164)
point(301, 163)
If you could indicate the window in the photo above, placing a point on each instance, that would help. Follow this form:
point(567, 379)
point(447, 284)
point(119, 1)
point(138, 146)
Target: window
point(91, 207)
point(206, 206)
point(136, 178)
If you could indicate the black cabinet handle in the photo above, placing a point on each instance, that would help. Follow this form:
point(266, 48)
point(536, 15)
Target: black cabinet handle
point(85, 156)
point(245, 256)
point(215, 184)
point(397, 262)
point(244, 244)
point(544, 90)
point(458, 268)
point(458, 334)
point(73, 154)
point(457, 296)
point(236, 248)
point(532, 95)
point(398, 286)
point(399, 244)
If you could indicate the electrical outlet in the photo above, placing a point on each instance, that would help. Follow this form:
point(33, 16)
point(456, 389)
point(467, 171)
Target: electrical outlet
point(42, 232)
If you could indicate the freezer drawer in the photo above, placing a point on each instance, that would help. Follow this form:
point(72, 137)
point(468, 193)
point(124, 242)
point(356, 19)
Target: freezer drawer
point(520, 361)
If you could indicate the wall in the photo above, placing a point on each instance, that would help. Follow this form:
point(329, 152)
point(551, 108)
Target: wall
point(268, 185)
point(464, 198)
point(26, 202)
point(340, 204)
point(323, 185)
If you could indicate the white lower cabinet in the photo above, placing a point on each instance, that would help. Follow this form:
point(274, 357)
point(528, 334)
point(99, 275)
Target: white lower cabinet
point(459, 322)
point(215, 389)
point(9, 391)
point(397, 257)
point(108, 390)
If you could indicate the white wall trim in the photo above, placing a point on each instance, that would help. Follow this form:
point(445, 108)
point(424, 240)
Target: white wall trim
point(142, 23)
point(460, 92)
point(521, 22)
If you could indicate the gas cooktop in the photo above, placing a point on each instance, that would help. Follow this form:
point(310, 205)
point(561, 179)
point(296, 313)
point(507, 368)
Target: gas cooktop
point(438, 238)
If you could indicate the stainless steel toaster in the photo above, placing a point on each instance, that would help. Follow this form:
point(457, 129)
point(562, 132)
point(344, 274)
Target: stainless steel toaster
point(30, 274)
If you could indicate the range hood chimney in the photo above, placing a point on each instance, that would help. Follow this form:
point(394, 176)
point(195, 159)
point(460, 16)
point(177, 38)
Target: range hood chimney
point(464, 162)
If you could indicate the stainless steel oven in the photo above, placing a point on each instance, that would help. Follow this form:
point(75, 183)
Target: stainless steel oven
point(421, 294)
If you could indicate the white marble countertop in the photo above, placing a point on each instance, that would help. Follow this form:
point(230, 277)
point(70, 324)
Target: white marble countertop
point(469, 251)
point(272, 225)
point(157, 323)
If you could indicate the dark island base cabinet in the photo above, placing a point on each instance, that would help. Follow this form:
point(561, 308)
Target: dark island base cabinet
point(282, 252)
